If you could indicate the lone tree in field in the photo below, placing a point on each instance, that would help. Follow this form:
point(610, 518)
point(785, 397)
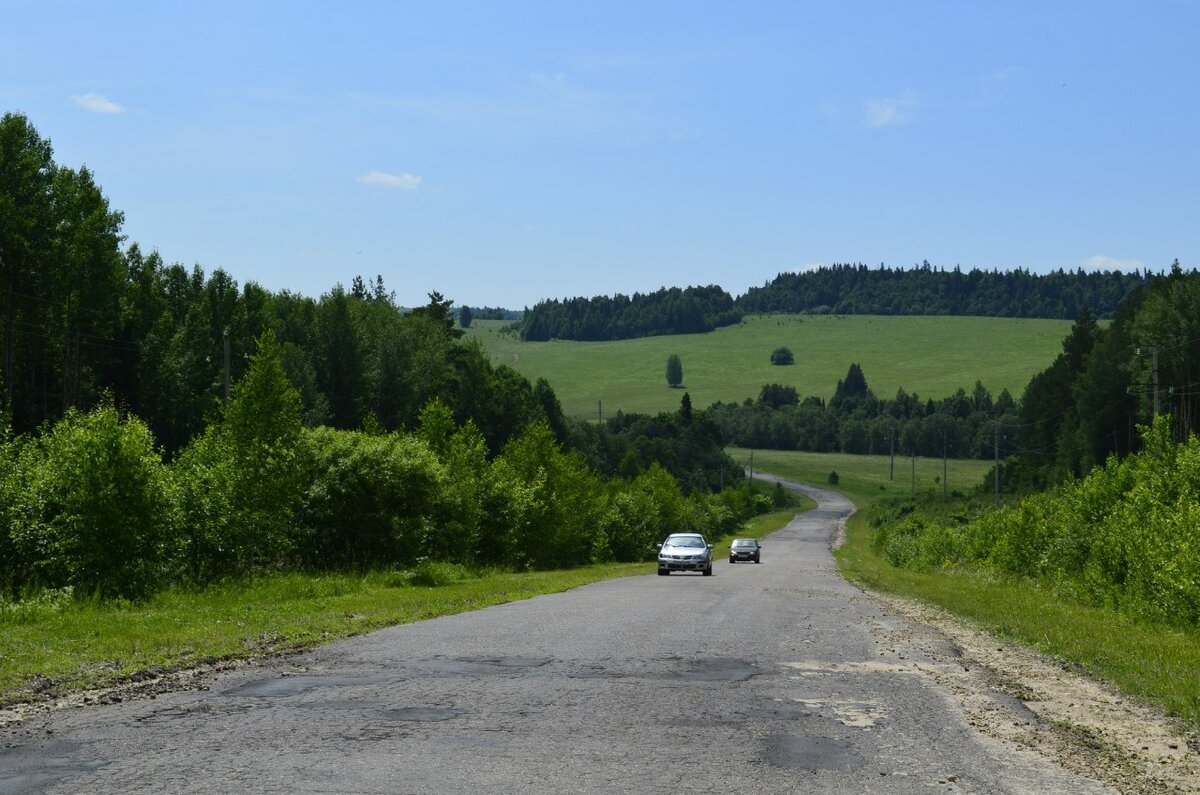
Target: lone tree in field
point(465, 316)
point(674, 371)
point(782, 356)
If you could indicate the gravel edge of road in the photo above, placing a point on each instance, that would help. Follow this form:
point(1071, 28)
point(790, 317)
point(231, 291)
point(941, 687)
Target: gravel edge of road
point(1079, 722)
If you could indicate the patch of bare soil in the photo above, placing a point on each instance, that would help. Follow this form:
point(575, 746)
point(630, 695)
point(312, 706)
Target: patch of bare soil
point(41, 695)
point(1086, 726)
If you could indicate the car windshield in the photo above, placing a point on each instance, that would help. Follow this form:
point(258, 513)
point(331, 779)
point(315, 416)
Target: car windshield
point(686, 541)
point(744, 543)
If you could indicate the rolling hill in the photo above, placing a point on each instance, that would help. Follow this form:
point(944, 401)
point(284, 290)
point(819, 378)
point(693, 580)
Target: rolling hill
point(932, 356)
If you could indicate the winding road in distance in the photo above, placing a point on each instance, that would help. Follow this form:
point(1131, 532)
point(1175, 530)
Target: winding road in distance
point(771, 678)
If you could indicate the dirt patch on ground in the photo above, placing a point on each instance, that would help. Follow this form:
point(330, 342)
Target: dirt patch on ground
point(41, 695)
point(1084, 725)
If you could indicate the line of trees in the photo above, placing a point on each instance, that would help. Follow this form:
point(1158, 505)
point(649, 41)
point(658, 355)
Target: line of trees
point(854, 420)
point(90, 504)
point(839, 289)
point(925, 290)
point(691, 310)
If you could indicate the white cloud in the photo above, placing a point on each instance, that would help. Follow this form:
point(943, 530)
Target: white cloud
point(1103, 263)
point(97, 103)
point(811, 266)
point(889, 111)
point(400, 181)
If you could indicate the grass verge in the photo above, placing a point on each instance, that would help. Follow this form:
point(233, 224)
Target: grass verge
point(54, 646)
point(1157, 662)
point(69, 645)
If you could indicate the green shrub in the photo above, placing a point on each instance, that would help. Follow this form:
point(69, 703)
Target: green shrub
point(782, 356)
point(435, 573)
point(1126, 536)
point(559, 502)
point(10, 491)
point(99, 510)
point(369, 498)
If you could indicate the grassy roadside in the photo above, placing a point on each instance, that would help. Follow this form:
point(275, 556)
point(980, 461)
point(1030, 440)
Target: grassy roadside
point(69, 645)
point(77, 645)
point(1159, 663)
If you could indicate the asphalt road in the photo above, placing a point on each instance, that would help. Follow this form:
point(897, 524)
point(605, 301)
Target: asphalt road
point(770, 678)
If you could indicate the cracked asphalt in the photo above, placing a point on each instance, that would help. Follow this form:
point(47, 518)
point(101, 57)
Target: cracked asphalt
point(771, 678)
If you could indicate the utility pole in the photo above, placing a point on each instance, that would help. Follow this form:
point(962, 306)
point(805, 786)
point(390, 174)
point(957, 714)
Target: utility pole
point(225, 336)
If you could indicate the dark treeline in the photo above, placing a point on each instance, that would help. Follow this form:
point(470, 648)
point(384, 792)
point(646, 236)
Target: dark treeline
point(164, 427)
point(856, 421)
point(839, 289)
point(925, 290)
point(666, 311)
point(687, 443)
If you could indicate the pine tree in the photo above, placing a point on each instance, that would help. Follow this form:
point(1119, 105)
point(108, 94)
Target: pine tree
point(674, 371)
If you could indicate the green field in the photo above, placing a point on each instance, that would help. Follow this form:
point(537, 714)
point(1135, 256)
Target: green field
point(932, 356)
point(866, 478)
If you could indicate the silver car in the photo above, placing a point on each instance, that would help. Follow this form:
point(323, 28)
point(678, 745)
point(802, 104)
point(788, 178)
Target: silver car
point(685, 552)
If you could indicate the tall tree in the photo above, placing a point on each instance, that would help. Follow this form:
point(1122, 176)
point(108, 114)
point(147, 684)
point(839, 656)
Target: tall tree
point(674, 370)
point(26, 172)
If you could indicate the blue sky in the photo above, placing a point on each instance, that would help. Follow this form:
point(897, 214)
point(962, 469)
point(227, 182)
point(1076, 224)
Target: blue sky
point(507, 152)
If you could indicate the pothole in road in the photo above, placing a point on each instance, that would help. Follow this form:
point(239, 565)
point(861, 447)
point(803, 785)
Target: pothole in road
point(284, 686)
point(809, 753)
point(423, 714)
point(719, 669)
point(39, 766)
point(480, 665)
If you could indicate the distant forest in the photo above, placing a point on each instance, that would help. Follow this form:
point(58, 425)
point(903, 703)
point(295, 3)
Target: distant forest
point(839, 289)
point(693, 310)
point(859, 290)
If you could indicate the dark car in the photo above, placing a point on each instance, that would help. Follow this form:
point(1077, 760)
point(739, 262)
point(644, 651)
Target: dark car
point(745, 549)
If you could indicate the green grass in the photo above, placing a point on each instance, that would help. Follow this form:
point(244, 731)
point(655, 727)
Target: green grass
point(1157, 662)
point(865, 478)
point(932, 356)
point(79, 644)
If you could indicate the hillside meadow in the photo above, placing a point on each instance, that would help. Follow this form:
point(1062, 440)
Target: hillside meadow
point(932, 356)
